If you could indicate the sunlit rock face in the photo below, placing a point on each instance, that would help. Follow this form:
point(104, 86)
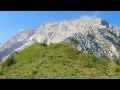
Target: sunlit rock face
point(89, 35)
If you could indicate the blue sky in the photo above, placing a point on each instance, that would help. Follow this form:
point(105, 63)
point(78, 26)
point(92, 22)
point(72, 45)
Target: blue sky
point(13, 21)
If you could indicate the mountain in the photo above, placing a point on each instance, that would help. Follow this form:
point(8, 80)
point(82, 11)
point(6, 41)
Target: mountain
point(57, 61)
point(89, 35)
point(17, 43)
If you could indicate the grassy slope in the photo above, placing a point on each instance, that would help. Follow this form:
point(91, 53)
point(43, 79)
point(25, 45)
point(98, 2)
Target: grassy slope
point(58, 61)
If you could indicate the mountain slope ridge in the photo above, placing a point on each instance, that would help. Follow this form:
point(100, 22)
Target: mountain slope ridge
point(93, 35)
point(56, 61)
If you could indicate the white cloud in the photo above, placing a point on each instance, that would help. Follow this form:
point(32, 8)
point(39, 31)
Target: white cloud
point(86, 16)
point(95, 14)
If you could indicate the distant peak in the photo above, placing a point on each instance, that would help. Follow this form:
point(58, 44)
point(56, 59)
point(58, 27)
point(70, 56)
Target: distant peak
point(84, 21)
point(94, 20)
point(25, 31)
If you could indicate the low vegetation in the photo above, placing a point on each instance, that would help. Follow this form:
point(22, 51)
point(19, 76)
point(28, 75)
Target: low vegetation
point(57, 61)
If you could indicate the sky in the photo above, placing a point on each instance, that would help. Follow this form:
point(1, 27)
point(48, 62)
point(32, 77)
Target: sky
point(12, 22)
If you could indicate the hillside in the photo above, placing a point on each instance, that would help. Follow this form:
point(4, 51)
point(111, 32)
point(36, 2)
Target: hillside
point(56, 61)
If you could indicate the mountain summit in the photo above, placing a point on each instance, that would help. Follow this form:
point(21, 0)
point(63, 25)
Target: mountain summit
point(89, 35)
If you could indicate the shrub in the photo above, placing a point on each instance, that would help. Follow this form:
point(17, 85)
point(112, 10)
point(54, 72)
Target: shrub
point(117, 62)
point(9, 61)
point(16, 52)
point(42, 44)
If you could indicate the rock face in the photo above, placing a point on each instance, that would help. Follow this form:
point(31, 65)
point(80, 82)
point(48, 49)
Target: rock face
point(92, 35)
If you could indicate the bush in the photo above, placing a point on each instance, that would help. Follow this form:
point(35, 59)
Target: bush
point(16, 52)
point(9, 61)
point(117, 62)
point(42, 44)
